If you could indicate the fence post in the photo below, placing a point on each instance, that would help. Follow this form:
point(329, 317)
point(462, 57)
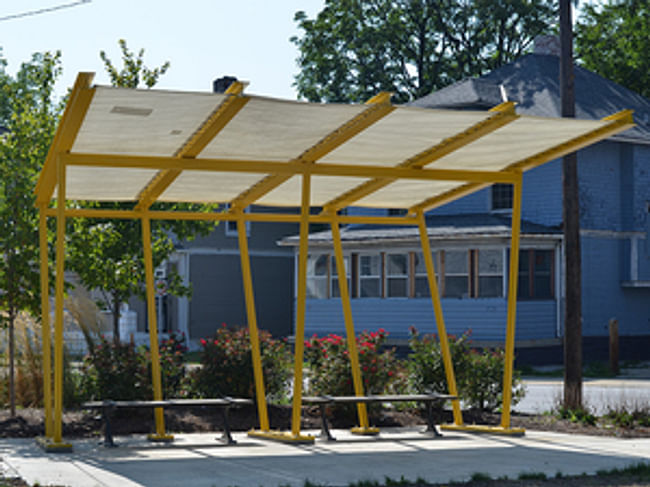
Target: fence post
point(613, 346)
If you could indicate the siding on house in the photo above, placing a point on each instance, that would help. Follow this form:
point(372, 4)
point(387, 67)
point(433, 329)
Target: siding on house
point(485, 317)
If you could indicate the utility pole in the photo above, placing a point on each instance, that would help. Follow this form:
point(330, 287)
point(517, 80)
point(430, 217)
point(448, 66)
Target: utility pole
point(571, 219)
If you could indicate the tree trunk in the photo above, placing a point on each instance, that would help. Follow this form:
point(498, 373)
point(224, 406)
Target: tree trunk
point(571, 217)
point(12, 368)
point(116, 319)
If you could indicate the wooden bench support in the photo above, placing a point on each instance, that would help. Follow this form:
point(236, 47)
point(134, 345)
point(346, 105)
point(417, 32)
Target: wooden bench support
point(428, 399)
point(108, 409)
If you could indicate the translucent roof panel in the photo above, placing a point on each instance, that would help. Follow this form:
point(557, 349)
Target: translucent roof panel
point(402, 134)
point(523, 138)
point(142, 122)
point(323, 189)
point(105, 183)
point(209, 186)
point(277, 130)
point(404, 194)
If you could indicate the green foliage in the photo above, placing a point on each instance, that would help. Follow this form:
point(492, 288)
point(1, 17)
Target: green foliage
point(134, 71)
point(480, 477)
point(356, 48)
point(632, 417)
point(532, 476)
point(172, 364)
point(582, 416)
point(329, 364)
point(116, 371)
point(107, 254)
point(479, 374)
point(227, 366)
point(612, 40)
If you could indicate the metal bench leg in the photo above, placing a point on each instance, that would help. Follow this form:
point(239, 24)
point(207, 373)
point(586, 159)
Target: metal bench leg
point(226, 437)
point(107, 412)
point(324, 429)
point(431, 427)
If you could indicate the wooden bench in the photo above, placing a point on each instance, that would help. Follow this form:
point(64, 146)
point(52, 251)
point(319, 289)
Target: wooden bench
point(428, 399)
point(108, 408)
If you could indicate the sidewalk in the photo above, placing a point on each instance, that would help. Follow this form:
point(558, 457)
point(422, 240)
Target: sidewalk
point(197, 460)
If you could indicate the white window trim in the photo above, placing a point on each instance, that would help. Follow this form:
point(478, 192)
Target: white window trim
point(359, 276)
point(234, 232)
point(406, 276)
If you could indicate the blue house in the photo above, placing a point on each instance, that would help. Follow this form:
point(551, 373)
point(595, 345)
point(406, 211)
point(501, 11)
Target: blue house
point(470, 237)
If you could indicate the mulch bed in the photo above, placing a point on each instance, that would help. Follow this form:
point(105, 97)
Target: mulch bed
point(83, 424)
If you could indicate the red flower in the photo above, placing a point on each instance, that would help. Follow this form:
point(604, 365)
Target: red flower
point(203, 342)
point(223, 324)
point(390, 373)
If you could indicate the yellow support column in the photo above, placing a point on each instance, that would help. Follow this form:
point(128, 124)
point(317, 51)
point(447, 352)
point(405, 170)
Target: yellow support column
point(512, 306)
point(247, 278)
point(160, 434)
point(300, 309)
point(440, 323)
point(349, 330)
point(56, 444)
point(45, 322)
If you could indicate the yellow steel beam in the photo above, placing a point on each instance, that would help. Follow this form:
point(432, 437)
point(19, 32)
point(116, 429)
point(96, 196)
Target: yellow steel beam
point(616, 123)
point(378, 107)
point(287, 168)
point(160, 434)
point(512, 305)
point(502, 115)
point(212, 126)
point(440, 321)
point(357, 381)
point(45, 322)
point(57, 433)
point(73, 116)
point(300, 307)
point(447, 197)
point(247, 278)
point(257, 217)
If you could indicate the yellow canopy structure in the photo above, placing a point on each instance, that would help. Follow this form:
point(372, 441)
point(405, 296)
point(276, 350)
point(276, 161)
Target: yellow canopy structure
point(143, 146)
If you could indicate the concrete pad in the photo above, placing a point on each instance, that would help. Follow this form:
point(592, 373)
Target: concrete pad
point(199, 460)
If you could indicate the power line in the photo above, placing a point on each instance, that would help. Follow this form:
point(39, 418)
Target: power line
point(44, 10)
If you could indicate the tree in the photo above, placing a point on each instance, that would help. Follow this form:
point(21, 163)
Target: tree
point(107, 254)
point(612, 40)
point(356, 48)
point(29, 115)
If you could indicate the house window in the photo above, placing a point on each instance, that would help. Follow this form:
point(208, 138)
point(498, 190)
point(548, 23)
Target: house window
point(502, 197)
point(231, 225)
point(421, 281)
point(335, 289)
point(317, 276)
point(535, 274)
point(397, 275)
point(490, 273)
point(369, 276)
point(456, 274)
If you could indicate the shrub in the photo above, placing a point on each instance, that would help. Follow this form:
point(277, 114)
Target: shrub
point(172, 364)
point(329, 364)
point(227, 365)
point(116, 371)
point(479, 374)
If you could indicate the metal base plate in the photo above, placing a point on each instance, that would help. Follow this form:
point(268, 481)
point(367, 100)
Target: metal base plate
point(160, 438)
point(49, 446)
point(369, 431)
point(477, 428)
point(282, 436)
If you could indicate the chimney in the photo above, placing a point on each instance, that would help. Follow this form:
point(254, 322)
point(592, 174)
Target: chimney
point(220, 85)
point(547, 44)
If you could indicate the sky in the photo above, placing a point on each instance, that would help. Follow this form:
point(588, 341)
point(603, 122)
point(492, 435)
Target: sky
point(202, 39)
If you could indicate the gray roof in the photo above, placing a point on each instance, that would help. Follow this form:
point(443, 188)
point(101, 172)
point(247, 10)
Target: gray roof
point(533, 83)
point(438, 227)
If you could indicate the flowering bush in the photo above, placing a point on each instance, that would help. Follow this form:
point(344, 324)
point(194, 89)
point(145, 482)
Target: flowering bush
point(227, 366)
point(115, 371)
point(123, 372)
point(479, 374)
point(329, 364)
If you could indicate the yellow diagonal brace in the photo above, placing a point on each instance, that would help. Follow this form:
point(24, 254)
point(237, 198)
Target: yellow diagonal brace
point(512, 306)
point(73, 116)
point(617, 122)
point(503, 114)
point(378, 107)
point(353, 353)
point(212, 126)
